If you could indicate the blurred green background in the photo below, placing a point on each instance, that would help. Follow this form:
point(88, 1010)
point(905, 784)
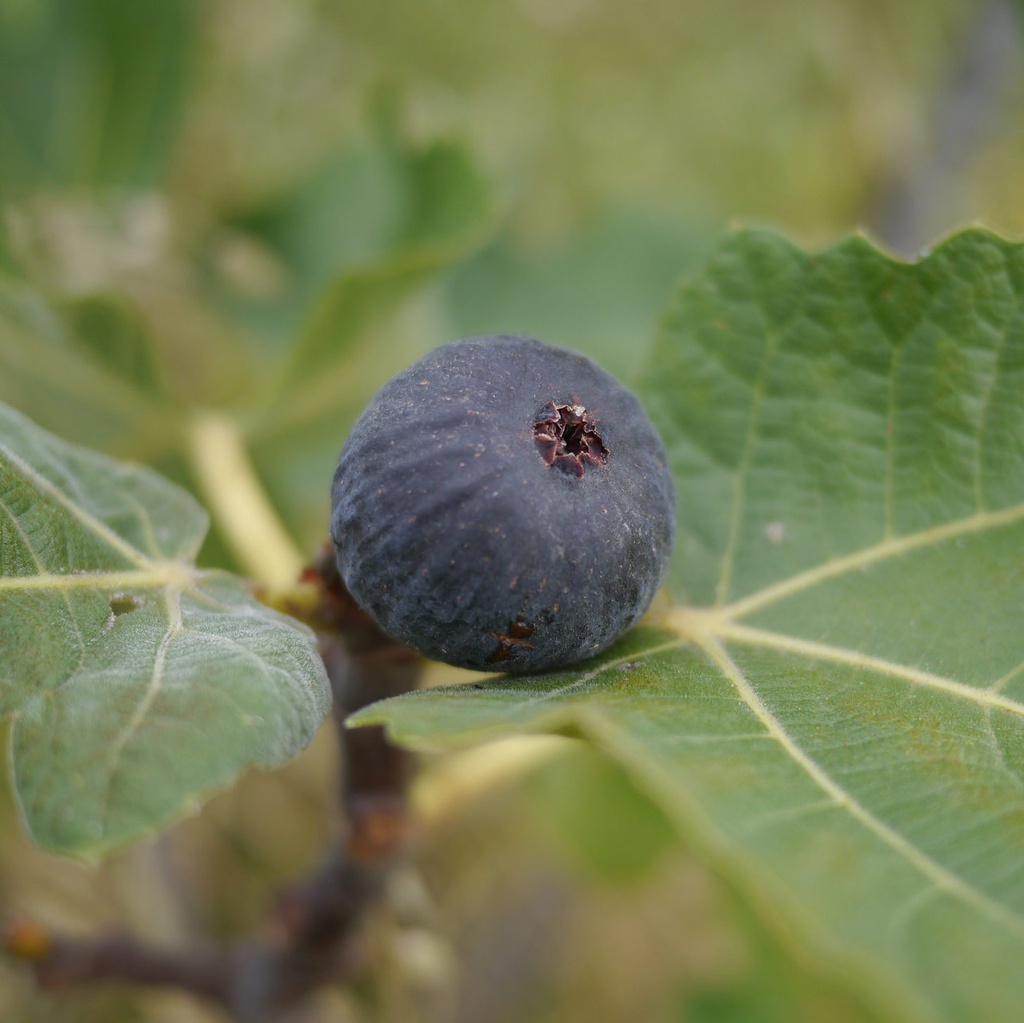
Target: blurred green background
point(268, 206)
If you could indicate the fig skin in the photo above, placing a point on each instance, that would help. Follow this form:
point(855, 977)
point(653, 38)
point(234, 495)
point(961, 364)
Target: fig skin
point(469, 529)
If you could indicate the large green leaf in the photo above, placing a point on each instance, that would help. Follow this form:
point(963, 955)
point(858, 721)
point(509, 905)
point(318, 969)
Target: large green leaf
point(833, 711)
point(135, 680)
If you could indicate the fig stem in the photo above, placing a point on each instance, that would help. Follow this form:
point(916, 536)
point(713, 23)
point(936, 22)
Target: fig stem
point(238, 500)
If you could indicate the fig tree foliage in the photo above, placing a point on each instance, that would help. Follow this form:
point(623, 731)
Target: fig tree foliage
point(833, 710)
point(828, 701)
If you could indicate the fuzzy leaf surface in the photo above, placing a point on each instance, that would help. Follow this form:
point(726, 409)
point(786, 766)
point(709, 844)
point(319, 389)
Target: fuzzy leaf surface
point(833, 709)
point(135, 681)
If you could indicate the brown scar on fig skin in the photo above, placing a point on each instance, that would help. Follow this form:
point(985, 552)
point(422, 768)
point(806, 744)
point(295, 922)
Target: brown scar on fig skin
point(518, 633)
point(567, 436)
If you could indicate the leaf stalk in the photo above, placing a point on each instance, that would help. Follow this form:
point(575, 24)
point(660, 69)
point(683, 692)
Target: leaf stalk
point(238, 501)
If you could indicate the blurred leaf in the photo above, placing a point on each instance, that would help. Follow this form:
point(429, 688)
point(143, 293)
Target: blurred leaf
point(109, 332)
point(369, 225)
point(835, 716)
point(445, 214)
point(773, 989)
point(607, 824)
point(136, 681)
point(86, 370)
point(90, 90)
point(600, 290)
point(7, 261)
point(277, 258)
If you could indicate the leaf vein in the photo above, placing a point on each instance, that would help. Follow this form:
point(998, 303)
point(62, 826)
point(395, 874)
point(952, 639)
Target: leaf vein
point(824, 652)
point(1001, 683)
point(155, 577)
point(616, 662)
point(35, 558)
point(923, 864)
point(174, 628)
point(986, 407)
point(740, 475)
point(94, 525)
point(868, 556)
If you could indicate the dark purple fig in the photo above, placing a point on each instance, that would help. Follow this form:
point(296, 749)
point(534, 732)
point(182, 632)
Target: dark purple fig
point(502, 504)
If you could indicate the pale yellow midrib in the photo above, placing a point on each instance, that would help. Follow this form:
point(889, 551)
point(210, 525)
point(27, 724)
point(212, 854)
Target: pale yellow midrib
point(172, 604)
point(93, 525)
point(938, 875)
point(869, 556)
point(708, 628)
point(701, 625)
point(158, 576)
point(766, 640)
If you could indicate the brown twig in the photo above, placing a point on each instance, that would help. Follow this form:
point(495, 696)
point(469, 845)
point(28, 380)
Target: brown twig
point(315, 937)
point(66, 962)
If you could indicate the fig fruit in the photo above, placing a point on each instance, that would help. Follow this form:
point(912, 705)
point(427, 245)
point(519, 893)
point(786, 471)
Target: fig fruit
point(503, 504)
